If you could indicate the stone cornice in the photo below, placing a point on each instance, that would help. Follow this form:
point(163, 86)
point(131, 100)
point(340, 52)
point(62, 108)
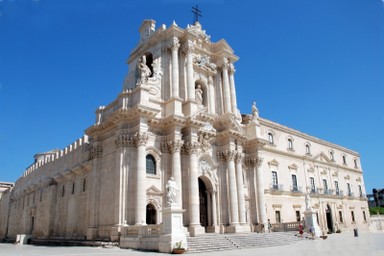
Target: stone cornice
point(291, 131)
point(306, 158)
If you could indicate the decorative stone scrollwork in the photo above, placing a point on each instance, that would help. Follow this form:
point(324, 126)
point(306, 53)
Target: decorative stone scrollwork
point(123, 140)
point(228, 155)
point(206, 169)
point(204, 142)
point(190, 147)
point(175, 145)
point(239, 157)
point(174, 44)
point(140, 139)
point(254, 162)
point(231, 68)
point(96, 152)
point(204, 62)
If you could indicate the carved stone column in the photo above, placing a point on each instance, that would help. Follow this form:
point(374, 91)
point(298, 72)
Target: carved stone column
point(212, 98)
point(227, 96)
point(174, 45)
point(190, 81)
point(260, 194)
point(94, 191)
point(240, 187)
point(194, 200)
point(229, 156)
point(174, 147)
point(122, 142)
point(214, 208)
point(232, 87)
point(251, 164)
point(140, 140)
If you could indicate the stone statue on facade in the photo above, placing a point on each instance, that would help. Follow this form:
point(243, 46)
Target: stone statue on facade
point(171, 191)
point(144, 70)
point(199, 95)
point(255, 111)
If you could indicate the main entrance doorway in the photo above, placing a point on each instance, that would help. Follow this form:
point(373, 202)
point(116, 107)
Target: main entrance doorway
point(328, 214)
point(151, 214)
point(203, 203)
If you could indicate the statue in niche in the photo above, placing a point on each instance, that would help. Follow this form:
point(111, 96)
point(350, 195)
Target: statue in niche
point(157, 70)
point(171, 191)
point(144, 70)
point(255, 111)
point(199, 95)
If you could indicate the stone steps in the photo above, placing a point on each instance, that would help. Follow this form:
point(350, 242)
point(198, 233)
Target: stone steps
point(217, 242)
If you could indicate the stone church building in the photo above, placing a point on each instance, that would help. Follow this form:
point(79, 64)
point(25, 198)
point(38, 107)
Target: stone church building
point(177, 116)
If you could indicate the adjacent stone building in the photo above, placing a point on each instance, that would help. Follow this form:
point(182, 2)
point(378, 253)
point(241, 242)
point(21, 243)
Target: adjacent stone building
point(177, 116)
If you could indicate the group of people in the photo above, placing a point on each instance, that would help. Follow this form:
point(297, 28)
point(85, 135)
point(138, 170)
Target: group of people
point(311, 230)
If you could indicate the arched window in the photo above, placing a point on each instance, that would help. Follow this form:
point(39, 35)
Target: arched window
point(332, 156)
point(344, 159)
point(290, 143)
point(270, 137)
point(151, 164)
point(307, 149)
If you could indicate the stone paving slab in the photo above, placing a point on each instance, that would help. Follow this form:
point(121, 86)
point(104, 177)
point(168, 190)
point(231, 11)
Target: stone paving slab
point(344, 244)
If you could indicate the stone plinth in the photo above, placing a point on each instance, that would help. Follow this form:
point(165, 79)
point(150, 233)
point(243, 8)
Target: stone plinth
point(173, 229)
point(311, 219)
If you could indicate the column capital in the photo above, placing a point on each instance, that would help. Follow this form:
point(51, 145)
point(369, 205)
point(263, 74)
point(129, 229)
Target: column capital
point(228, 155)
point(231, 69)
point(191, 147)
point(239, 157)
point(96, 151)
point(254, 161)
point(188, 47)
point(175, 145)
point(174, 44)
point(140, 139)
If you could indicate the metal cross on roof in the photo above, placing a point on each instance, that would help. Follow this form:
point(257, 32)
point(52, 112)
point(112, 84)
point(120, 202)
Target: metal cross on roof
point(197, 14)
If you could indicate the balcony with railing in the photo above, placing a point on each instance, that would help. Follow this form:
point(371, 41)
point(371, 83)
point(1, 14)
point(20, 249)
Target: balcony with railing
point(296, 190)
point(328, 192)
point(276, 188)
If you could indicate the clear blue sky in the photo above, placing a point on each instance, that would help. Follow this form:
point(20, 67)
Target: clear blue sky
point(315, 66)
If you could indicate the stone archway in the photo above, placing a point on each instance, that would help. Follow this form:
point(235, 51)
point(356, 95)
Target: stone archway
point(328, 215)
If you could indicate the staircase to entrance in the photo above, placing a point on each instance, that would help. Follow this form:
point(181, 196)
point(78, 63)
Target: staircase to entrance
point(217, 242)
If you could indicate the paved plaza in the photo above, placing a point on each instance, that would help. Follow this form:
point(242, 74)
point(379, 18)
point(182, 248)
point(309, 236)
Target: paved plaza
point(367, 244)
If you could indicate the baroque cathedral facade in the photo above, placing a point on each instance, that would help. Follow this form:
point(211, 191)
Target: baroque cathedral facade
point(177, 116)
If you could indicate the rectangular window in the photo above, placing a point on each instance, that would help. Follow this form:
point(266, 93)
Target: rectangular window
point(337, 188)
point(364, 216)
point(84, 184)
point(63, 192)
point(353, 216)
point(294, 183)
point(298, 216)
point(41, 195)
point(325, 186)
point(360, 191)
point(73, 188)
point(317, 218)
point(275, 181)
point(313, 187)
point(278, 217)
point(341, 216)
point(344, 160)
point(349, 189)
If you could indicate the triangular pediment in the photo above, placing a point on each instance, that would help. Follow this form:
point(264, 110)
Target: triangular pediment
point(152, 190)
point(322, 157)
point(274, 162)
